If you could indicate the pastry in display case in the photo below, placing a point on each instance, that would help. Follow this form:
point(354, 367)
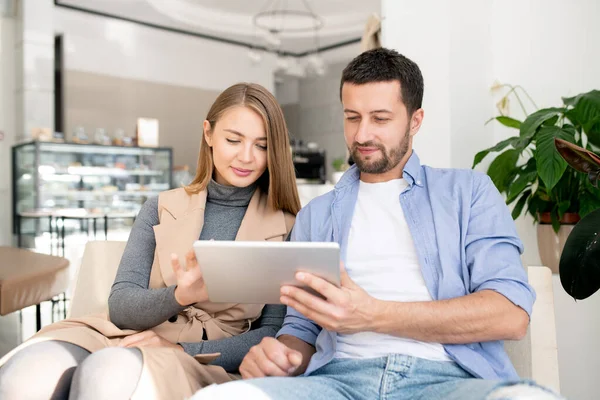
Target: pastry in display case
point(97, 178)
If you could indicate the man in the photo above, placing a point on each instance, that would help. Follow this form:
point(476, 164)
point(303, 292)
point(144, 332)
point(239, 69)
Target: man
point(432, 281)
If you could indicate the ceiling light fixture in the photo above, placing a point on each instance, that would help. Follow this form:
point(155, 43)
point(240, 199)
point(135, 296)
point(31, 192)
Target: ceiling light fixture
point(276, 20)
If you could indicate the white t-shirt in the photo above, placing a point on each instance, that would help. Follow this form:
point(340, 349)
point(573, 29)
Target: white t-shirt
point(383, 261)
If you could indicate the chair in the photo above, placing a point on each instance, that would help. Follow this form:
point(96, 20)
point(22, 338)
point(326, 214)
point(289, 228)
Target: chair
point(95, 277)
point(535, 357)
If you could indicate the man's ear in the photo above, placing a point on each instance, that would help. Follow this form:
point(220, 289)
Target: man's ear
point(416, 120)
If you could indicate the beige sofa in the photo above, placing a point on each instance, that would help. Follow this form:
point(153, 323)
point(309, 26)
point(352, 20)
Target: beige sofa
point(534, 357)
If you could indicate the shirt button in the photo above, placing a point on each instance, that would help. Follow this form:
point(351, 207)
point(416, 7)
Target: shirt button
point(418, 182)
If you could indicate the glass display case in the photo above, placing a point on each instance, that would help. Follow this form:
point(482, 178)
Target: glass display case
point(97, 178)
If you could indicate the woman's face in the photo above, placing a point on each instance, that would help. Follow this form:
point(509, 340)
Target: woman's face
point(239, 147)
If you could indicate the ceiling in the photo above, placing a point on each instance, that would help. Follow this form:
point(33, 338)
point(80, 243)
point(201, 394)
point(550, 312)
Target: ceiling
point(232, 20)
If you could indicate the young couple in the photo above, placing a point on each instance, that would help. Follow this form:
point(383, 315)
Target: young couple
point(432, 281)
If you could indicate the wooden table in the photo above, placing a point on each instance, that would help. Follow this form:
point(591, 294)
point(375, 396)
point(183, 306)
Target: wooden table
point(28, 278)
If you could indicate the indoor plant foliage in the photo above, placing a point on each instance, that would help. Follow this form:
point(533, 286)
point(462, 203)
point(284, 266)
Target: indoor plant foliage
point(580, 260)
point(531, 171)
point(340, 166)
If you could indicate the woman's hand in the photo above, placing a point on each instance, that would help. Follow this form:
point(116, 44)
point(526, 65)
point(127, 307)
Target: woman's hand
point(148, 339)
point(190, 284)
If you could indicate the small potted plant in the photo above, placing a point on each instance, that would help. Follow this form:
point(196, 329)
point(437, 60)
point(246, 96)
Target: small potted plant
point(339, 166)
point(534, 177)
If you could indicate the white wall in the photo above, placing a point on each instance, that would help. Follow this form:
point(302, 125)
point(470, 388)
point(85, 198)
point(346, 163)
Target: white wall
point(454, 55)
point(9, 324)
point(123, 49)
point(26, 88)
point(7, 123)
point(547, 46)
point(420, 31)
point(287, 91)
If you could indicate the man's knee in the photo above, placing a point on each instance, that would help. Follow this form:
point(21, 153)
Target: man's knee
point(522, 391)
point(232, 390)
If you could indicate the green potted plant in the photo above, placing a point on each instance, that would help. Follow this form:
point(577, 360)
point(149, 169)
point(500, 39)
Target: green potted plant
point(534, 177)
point(580, 260)
point(339, 166)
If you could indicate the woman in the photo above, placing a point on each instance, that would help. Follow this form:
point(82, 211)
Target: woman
point(162, 333)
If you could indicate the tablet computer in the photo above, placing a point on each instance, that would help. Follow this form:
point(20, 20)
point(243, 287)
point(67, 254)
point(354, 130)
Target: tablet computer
point(253, 272)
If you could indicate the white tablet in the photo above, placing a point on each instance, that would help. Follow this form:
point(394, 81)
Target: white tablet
point(253, 272)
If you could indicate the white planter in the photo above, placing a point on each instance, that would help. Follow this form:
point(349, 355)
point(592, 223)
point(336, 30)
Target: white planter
point(551, 244)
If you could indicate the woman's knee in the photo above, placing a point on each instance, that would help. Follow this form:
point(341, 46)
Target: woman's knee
point(108, 373)
point(49, 364)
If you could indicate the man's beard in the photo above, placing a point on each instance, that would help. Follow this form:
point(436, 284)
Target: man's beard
point(384, 163)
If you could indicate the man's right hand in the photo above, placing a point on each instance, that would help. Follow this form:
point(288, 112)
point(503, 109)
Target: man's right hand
point(270, 358)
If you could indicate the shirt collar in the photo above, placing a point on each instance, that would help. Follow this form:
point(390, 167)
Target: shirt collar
point(411, 172)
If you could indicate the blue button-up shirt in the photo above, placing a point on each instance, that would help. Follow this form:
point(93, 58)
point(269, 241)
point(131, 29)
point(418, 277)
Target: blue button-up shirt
point(466, 241)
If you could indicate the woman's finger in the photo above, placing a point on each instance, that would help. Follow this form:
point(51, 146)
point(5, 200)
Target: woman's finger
point(190, 260)
point(175, 264)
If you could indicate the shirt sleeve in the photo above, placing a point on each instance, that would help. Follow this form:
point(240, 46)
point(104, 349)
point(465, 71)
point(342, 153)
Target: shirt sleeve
point(493, 248)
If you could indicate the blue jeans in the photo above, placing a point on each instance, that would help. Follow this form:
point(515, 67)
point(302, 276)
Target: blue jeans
point(393, 377)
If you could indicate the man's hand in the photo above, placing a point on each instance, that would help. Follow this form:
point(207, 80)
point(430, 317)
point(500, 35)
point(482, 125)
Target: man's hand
point(348, 309)
point(190, 283)
point(270, 358)
point(147, 339)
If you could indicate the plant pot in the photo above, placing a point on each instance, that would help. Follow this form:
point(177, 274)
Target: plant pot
point(336, 176)
point(550, 243)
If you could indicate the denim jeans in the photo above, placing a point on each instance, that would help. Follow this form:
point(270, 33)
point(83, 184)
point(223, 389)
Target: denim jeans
point(393, 377)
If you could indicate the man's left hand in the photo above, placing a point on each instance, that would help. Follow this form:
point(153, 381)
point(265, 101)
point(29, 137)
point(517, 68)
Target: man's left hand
point(347, 309)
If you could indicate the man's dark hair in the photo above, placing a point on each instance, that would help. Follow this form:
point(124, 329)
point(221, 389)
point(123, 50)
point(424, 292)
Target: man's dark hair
point(384, 65)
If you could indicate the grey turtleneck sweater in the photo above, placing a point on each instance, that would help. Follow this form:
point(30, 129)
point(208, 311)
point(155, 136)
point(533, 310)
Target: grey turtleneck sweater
point(132, 305)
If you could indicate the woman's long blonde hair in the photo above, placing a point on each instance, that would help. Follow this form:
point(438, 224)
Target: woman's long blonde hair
point(279, 180)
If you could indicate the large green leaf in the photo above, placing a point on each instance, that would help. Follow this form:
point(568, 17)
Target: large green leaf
point(503, 169)
point(573, 117)
point(509, 122)
point(530, 166)
point(534, 120)
point(589, 201)
point(498, 147)
point(570, 101)
point(516, 212)
point(525, 179)
point(586, 108)
point(550, 165)
point(551, 121)
point(592, 129)
point(593, 95)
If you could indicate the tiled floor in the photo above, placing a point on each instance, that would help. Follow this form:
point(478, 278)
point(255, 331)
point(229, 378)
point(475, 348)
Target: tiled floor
point(17, 327)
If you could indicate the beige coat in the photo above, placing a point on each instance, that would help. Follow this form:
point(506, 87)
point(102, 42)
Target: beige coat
point(170, 373)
